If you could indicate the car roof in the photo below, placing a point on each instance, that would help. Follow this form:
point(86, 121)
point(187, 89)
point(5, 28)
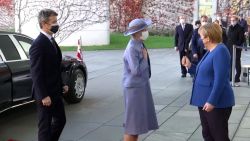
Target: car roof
point(13, 33)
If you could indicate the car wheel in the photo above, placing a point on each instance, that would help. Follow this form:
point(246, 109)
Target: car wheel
point(76, 87)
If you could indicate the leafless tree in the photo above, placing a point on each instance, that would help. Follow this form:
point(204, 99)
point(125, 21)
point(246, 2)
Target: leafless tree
point(6, 20)
point(73, 15)
point(6, 15)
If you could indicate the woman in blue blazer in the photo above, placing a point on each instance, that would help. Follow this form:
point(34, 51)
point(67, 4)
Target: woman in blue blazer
point(140, 116)
point(212, 92)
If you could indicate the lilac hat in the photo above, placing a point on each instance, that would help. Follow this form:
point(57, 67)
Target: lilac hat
point(137, 25)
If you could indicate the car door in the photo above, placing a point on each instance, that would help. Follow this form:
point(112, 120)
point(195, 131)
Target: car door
point(5, 84)
point(18, 63)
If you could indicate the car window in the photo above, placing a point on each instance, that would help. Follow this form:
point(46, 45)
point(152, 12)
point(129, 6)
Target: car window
point(8, 48)
point(1, 60)
point(25, 43)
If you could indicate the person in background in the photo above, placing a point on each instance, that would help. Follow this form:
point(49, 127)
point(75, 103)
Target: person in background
point(222, 22)
point(235, 36)
point(183, 35)
point(243, 24)
point(198, 49)
point(140, 116)
point(212, 92)
point(249, 35)
point(224, 32)
point(197, 24)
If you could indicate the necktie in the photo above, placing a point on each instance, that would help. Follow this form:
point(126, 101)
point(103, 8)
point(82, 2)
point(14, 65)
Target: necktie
point(149, 70)
point(54, 44)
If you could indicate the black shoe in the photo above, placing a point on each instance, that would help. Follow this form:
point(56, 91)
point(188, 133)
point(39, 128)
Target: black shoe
point(183, 75)
point(237, 80)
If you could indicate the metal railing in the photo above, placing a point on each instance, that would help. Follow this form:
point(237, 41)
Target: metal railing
point(234, 62)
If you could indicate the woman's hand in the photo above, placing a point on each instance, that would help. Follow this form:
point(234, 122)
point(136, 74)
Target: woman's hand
point(208, 107)
point(186, 62)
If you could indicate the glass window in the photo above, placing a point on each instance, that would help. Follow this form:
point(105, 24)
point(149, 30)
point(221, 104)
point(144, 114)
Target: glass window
point(1, 60)
point(25, 43)
point(8, 48)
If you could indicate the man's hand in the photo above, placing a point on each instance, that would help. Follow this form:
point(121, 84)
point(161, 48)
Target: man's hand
point(195, 55)
point(65, 89)
point(208, 107)
point(46, 101)
point(246, 33)
point(186, 62)
point(176, 48)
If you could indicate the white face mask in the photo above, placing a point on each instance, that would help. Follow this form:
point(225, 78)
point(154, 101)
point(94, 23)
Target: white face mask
point(144, 35)
point(218, 18)
point(203, 23)
point(233, 23)
point(182, 21)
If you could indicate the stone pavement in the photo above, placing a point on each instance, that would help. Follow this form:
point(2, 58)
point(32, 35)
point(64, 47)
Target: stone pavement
point(99, 116)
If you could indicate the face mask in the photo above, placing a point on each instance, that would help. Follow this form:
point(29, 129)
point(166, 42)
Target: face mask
point(182, 21)
point(233, 23)
point(144, 35)
point(203, 23)
point(218, 18)
point(54, 28)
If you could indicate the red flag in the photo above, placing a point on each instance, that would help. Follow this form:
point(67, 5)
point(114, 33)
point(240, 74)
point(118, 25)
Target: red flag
point(79, 54)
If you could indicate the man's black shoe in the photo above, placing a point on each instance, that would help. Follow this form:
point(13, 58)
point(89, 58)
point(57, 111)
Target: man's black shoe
point(237, 80)
point(183, 75)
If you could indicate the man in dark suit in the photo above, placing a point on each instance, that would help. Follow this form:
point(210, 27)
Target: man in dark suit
point(243, 24)
point(236, 37)
point(183, 35)
point(45, 59)
point(221, 21)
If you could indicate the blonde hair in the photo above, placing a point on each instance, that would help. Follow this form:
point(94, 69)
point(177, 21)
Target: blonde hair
point(213, 31)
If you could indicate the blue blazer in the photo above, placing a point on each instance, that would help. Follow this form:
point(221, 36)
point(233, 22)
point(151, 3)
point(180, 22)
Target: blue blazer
point(136, 68)
point(45, 61)
point(211, 82)
point(182, 38)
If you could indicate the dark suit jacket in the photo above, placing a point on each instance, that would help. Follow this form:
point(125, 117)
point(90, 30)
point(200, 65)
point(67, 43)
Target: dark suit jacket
point(224, 23)
point(243, 23)
point(235, 36)
point(196, 47)
point(45, 62)
point(182, 38)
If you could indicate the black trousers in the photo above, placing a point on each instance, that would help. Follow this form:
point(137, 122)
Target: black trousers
point(183, 68)
point(249, 38)
point(215, 124)
point(51, 120)
point(237, 65)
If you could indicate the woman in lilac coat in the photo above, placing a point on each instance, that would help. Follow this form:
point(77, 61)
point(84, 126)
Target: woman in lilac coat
point(140, 116)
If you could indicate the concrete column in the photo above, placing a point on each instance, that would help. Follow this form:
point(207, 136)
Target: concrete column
point(214, 9)
point(196, 10)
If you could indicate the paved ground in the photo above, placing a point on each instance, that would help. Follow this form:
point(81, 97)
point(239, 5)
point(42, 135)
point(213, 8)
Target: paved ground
point(99, 116)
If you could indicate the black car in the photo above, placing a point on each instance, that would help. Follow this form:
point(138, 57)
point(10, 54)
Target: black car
point(15, 77)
